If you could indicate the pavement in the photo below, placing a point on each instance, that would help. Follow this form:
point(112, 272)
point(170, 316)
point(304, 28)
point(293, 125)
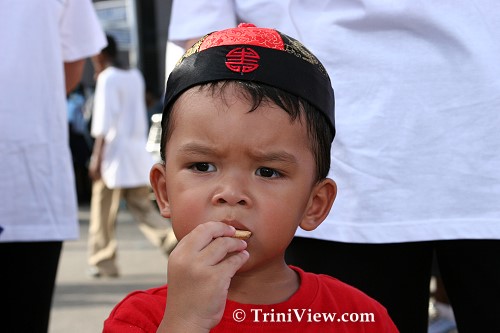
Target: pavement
point(81, 303)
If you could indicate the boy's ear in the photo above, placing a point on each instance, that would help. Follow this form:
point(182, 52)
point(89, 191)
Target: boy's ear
point(320, 202)
point(159, 184)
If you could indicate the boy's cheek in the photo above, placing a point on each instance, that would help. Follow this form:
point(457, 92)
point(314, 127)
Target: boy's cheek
point(181, 228)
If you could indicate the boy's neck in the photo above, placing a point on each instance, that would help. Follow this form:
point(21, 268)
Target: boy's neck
point(266, 285)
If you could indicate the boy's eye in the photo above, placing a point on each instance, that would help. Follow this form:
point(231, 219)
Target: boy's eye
point(267, 172)
point(203, 167)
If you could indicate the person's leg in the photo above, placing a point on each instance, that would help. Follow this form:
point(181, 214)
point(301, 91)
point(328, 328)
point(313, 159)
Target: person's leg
point(102, 244)
point(28, 277)
point(439, 294)
point(470, 270)
point(156, 228)
point(441, 318)
point(397, 275)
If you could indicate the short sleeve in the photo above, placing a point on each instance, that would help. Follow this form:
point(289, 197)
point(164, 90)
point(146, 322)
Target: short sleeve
point(106, 102)
point(81, 33)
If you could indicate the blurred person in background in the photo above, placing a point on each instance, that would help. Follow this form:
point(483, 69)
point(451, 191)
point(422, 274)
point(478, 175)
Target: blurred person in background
point(44, 48)
point(415, 157)
point(119, 165)
point(80, 142)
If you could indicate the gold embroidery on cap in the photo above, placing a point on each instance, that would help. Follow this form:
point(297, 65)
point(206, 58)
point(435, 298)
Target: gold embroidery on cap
point(192, 50)
point(296, 48)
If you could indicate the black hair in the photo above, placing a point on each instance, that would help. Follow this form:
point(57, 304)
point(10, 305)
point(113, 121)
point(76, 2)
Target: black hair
point(111, 50)
point(318, 128)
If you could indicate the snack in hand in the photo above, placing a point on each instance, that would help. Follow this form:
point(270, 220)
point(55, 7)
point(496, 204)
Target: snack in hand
point(242, 234)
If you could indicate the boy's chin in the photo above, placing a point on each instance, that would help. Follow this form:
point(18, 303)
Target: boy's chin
point(252, 267)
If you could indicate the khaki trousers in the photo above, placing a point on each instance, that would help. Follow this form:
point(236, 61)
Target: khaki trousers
point(104, 207)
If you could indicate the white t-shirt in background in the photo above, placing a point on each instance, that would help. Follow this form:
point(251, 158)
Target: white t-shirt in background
point(120, 116)
point(37, 187)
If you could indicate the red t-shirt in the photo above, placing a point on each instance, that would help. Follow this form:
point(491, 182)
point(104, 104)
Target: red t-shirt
point(321, 304)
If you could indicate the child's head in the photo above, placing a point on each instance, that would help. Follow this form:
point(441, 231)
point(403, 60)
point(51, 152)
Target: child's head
point(111, 50)
point(247, 129)
point(107, 56)
point(289, 76)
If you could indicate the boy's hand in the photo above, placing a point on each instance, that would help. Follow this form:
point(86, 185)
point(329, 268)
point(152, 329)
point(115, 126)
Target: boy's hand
point(199, 273)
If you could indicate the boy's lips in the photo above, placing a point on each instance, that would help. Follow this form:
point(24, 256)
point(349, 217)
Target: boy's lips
point(234, 223)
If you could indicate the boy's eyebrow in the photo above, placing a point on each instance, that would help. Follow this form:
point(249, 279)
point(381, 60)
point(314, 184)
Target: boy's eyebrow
point(196, 148)
point(276, 156)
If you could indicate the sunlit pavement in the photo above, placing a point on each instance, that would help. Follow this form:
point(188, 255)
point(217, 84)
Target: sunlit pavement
point(81, 303)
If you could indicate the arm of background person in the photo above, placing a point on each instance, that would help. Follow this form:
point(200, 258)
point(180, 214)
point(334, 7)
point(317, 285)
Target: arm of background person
point(73, 73)
point(96, 159)
point(195, 18)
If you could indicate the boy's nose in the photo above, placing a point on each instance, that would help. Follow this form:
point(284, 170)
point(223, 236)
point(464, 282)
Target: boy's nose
point(231, 194)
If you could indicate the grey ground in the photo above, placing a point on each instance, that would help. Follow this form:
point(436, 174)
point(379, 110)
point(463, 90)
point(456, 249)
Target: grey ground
point(81, 303)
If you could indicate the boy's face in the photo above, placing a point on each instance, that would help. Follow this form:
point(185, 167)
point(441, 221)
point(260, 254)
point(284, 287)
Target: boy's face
point(252, 170)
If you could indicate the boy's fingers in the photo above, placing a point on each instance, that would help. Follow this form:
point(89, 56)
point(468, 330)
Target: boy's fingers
point(234, 262)
point(205, 233)
point(219, 249)
point(210, 244)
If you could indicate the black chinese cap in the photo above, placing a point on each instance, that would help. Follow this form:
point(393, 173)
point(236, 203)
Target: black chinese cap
point(249, 53)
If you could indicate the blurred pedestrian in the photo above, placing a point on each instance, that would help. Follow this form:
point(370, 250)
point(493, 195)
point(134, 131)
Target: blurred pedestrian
point(415, 158)
point(119, 165)
point(44, 45)
point(80, 142)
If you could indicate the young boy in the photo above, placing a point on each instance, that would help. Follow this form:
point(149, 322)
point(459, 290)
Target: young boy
point(247, 128)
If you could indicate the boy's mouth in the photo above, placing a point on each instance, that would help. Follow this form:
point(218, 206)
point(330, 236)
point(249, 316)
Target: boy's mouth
point(241, 231)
